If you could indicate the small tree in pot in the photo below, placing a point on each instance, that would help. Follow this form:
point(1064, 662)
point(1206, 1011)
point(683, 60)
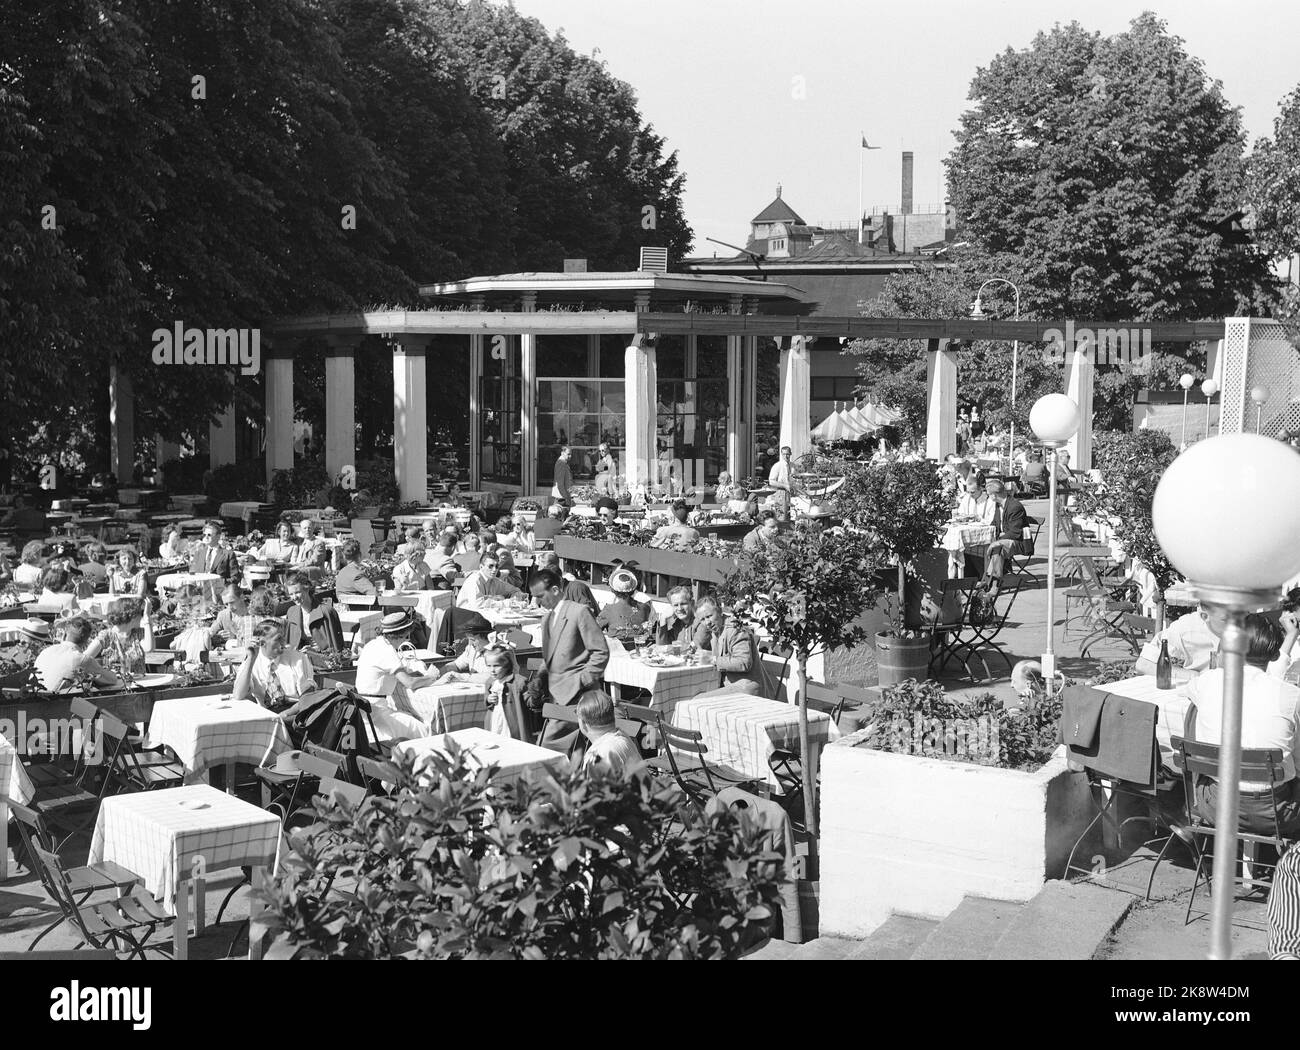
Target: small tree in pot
point(807, 588)
point(903, 511)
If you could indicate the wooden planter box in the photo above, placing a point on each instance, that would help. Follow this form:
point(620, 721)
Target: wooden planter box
point(914, 835)
point(660, 570)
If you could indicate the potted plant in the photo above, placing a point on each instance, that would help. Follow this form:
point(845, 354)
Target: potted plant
point(902, 509)
point(808, 590)
point(1131, 466)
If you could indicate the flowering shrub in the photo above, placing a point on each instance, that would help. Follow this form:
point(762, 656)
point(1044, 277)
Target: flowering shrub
point(453, 866)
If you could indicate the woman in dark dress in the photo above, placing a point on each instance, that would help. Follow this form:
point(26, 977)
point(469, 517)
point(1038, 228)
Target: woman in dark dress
point(625, 613)
point(308, 623)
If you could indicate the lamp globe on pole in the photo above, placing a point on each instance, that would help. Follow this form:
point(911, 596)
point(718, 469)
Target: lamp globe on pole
point(1054, 420)
point(1209, 388)
point(1259, 395)
point(1186, 381)
point(1197, 504)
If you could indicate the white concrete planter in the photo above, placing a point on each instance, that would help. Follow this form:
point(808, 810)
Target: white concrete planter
point(909, 834)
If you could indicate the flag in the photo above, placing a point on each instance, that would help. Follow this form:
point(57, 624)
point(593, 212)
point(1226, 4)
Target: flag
point(866, 144)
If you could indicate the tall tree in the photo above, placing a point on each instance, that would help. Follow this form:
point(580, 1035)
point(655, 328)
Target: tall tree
point(1275, 192)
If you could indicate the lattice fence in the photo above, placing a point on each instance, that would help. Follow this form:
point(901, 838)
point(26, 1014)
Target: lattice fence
point(1261, 354)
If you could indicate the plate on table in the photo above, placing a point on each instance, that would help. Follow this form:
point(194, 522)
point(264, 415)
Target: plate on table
point(153, 681)
point(193, 803)
point(666, 661)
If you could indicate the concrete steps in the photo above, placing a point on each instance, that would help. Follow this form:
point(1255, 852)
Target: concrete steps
point(1064, 921)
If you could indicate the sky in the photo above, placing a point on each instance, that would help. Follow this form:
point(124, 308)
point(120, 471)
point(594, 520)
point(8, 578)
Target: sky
point(752, 93)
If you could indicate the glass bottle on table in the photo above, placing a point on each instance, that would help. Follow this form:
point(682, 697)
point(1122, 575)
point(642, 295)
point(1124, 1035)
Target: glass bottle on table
point(1164, 667)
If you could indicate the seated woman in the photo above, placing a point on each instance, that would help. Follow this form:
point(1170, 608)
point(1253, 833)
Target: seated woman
point(273, 674)
point(678, 531)
point(470, 665)
point(625, 613)
point(64, 664)
point(235, 623)
point(127, 577)
point(505, 528)
point(680, 627)
point(519, 540)
point(728, 490)
point(57, 588)
point(508, 571)
point(284, 547)
point(91, 564)
point(27, 576)
point(1270, 720)
point(129, 635)
point(309, 624)
point(173, 550)
point(350, 578)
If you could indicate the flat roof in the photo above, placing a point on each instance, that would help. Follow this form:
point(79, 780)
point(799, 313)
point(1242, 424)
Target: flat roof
point(615, 283)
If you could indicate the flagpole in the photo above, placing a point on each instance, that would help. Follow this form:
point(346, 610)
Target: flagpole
point(861, 152)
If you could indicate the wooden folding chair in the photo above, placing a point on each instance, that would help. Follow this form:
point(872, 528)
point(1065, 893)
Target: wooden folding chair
point(143, 769)
point(683, 754)
point(123, 924)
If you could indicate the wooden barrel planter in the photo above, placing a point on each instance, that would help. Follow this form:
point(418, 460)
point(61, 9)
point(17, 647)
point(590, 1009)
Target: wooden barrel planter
point(899, 659)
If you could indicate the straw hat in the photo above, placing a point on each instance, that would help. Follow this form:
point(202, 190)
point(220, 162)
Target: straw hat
point(35, 630)
point(397, 622)
point(286, 762)
point(623, 581)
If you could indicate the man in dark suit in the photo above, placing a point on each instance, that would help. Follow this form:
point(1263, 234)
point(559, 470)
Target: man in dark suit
point(575, 652)
point(210, 556)
point(1009, 521)
point(570, 590)
point(547, 528)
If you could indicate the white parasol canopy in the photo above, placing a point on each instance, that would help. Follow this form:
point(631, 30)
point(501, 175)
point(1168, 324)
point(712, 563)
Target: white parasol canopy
point(834, 427)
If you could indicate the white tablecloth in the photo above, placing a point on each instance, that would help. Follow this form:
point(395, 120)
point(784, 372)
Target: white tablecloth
point(1173, 705)
point(240, 509)
point(207, 731)
point(159, 837)
point(514, 759)
point(174, 581)
point(451, 706)
point(957, 538)
point(425, 601)
point(667, 685)
point(741, 731)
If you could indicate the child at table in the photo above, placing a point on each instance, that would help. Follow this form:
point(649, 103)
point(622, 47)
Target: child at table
point(471, 664)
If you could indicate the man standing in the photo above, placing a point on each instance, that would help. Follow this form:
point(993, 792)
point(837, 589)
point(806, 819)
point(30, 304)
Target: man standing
point(575, 653)
point(781, 478)
point(563, 478)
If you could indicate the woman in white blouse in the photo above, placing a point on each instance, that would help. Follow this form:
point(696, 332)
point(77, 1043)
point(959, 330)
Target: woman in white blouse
point(282, 547)
point(272, 674)
point(173, 548)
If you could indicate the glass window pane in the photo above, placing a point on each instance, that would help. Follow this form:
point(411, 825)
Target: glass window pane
point(710, 356)
point(670, 357)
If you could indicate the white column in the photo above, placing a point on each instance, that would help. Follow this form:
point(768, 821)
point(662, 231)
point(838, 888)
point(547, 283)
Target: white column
point(221, 439)
point(121, 422)
point(941, 415)
point(1080, 392)
point(640, 378)
point(750, 351)
point(476, 343)
point(795, 427)
point(340, 408)
point(735, 404)
point(528, 413)
point(279, 412)
point(410, 422)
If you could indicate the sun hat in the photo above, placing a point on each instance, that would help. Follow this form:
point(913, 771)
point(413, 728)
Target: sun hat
point(623, 581)
point(286, 762)
point(35, 630)
point(397, 622)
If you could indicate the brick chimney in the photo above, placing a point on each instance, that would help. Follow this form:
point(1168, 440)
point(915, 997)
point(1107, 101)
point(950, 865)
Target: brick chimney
point(907, 184)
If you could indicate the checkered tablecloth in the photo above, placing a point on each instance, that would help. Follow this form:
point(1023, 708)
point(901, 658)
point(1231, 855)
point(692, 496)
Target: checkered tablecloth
point(668, 686)
point(1172, 703)
point(514, 759)
point(741, 730)
point(958, 537)
point(451, 706)
point(170, 835)
point(425, 601)
point(207, 731)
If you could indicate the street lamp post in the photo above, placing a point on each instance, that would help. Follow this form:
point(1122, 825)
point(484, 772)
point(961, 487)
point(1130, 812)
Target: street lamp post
point(1259, 395)
point(1209, 388)
point(1196, 504)
point(1053, 419)
point(977, 313)
point(1186, 381)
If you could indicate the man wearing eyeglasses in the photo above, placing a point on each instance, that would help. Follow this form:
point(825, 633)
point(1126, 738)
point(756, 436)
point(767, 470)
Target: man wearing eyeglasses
point(210, 556)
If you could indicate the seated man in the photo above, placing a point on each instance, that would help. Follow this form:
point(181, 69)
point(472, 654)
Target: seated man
point(679, 628)
point(272, 674)
point(1270, 717)
point(1034, 477)
point(1009, 521)
point(441, 557)
point(59, 666)
point(546, 529)
point(1193, 641)
point(762, 534)
point(735, 651)
point(411, 574)
point(388, 678)
point(235, 622)
point(349, 579)
point(93, 567)
point(484, 583)
point(412, 538)
point(609, 749)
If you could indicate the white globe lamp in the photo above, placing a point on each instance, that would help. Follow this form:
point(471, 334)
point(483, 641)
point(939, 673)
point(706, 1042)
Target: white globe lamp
point(1236, 564)
point(1209, 388)
point(1054, 420)
point(1259, 395)
point(1186, 381)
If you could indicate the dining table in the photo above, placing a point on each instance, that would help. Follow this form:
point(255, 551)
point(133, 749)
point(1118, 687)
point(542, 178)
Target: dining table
point(959, 534)
point(215, 730)
point(177, 838)
point(515, 760)
point(450, 706)
point(668, 680)
point(1172, 704)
